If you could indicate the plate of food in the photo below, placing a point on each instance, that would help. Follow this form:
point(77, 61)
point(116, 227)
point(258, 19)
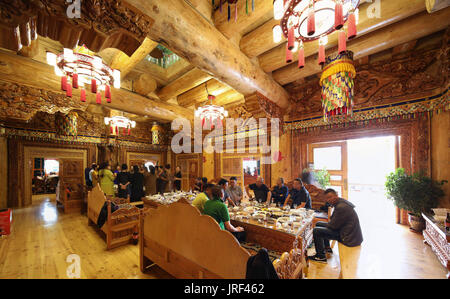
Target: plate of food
point(274, 209)
point(283, 219)
point(259, 216)
point(249, 209)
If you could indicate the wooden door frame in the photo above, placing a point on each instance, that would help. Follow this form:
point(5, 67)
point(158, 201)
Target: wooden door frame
point(344, 163)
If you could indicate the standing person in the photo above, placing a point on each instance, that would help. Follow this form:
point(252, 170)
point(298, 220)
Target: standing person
point(87, 178)
point(262, 193)
point(219, 211)
point(177, 179)
point(279, 192)
point(158, 180)
point(151, 182)
point(164, 178)
point(106, 178)
point(343, 226)
point(123, 180)
point(148, 181)
point(235, 191)
point(137, 185)
point(116, 172)
point(93, 175)
point(298, 196)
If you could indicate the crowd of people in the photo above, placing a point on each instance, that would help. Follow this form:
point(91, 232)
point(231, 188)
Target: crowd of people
point(135, 183)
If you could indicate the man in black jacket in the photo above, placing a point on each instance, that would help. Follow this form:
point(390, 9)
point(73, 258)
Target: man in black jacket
point(343, 227)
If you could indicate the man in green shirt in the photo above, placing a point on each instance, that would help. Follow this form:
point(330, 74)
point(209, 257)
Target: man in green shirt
point(219, 211)
point(202, 198)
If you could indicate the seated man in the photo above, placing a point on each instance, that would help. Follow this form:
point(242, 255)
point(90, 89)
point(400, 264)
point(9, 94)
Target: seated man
point(235, 191)
point(262, 193)
point(279, 192)
point(223, 183)
point(343, 227)
point(219, 211)
point(299, 196)
point(202, 197)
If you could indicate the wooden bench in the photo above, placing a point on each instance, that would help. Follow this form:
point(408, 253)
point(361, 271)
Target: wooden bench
point(120, 225)
point(189, 245)
point(349, 260)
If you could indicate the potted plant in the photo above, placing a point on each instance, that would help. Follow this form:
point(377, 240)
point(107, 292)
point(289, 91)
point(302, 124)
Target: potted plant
point(415, 193)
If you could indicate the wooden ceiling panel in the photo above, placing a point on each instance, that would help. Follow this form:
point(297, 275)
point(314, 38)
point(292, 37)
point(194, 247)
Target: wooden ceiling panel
point(186, 82)
point(199, 94)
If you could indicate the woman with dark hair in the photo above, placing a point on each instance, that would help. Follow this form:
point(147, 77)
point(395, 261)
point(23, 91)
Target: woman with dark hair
point(177, 179)
point(137, 185)
point(123, 180)
point(106, 178)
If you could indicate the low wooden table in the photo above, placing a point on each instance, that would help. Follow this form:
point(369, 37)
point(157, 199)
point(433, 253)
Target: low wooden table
point(273, 239)
point(439, 241)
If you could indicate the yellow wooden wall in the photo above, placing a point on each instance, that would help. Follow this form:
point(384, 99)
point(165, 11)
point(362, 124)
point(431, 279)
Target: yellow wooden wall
point(440, 152)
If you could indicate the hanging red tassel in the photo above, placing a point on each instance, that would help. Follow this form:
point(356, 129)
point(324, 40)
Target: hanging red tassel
point(75, 80)
point(94, 86)
point(108, 93)
point(83, 95)
point(352, 25)
point(289, 57)
point(63, 83)
point(291, 39)
point(301, 57)
point(98, 98)
point(117, 130)
point(311, 26)
point(124, 131)
point(69, 90)
point(321, 54)
point(111, 129)
point(129, 131)
point(342, 41)
point(338, 16)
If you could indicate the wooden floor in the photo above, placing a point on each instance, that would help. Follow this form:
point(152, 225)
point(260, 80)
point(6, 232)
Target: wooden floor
point(42, 238)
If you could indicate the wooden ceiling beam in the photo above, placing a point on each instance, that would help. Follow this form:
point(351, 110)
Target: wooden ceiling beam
point(199, 94)
point(207, 48)
point(262, 13)
point(186, 82)
point(392, 12)
point(391, 36)
point(125, 63)
point(28, 72)
point(204, 7)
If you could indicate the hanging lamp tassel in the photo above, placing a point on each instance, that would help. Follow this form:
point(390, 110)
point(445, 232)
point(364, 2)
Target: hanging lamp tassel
point(75, 80)
point(83, 95)
point(342, 42)
point(108, 93)
point(291, 39)
point(63, 83)
point(311, 26)
point(321, 54)
point(301, 56)
point(253, 5)
point(220, 5)
point(94, 86)
point(98, 98)
point(69, 90)
point(352, 25)
point(338, 15)
point(129, 130)
point(246, 7)
point(289, 57)
point(229, 12)
point(235, 12)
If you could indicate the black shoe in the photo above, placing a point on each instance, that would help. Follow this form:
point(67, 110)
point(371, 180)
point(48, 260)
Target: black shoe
point(318, 258)
point(329, 250)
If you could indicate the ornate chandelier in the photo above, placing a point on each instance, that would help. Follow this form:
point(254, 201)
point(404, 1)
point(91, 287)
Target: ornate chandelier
point(211, 115)
point(83, 67)
point(308, 20)
point(117, 122)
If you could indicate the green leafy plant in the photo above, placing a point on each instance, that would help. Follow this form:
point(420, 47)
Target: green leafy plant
point(322, 177)
point(416, 193)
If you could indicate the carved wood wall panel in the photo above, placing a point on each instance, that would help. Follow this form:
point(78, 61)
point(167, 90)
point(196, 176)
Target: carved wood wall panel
point(406, 76)
point(101, 24)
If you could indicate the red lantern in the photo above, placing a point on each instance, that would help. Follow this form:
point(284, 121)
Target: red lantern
point(338, 15)
point(311, 25)
point(108, 93)
point(63, 83)
point(301, 57)
point(83, 95)
point(342, 42)
point(94, 86)
point(75, 80)
point(291, 39)
point(352, 25)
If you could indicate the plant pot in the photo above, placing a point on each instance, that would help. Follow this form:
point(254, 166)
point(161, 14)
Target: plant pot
point(416, 223)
